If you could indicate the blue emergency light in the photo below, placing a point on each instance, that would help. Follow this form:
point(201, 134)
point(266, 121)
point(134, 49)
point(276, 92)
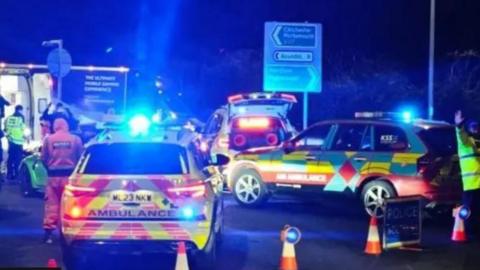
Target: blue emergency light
point(407, 116)
point(292, 235)
point(139, 125)
point(156, 118)
point(464, 212)
point(187, 212)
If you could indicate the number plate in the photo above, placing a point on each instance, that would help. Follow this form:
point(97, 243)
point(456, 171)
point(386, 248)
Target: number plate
point(132, 197)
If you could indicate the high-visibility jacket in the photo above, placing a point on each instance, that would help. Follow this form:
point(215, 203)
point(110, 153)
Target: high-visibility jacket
point(14, 128)
point(469, 156)
point(61, 150)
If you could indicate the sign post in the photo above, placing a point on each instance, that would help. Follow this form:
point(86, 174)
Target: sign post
point(292, 59)
point(403, 222)
point(59, 63)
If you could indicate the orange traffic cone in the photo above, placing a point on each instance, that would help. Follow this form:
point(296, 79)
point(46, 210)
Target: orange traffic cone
point(288, 260)
point(373, 242)
point(458, 234)
point(182, 261)
point(52, 263)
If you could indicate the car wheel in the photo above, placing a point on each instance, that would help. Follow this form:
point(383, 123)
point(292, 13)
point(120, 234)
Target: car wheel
point(206, 259)
point(249, 189)
point(221, 225)
point(26, 182)
point(73, 259)
point(374, 194)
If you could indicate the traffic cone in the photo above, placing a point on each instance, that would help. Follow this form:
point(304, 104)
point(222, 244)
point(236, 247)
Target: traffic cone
point(373, 242)
point(52, 263)
point(182, 261)
point(458, 234)
point(288, 260)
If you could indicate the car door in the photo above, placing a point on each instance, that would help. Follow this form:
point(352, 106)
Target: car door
point(348, 155)
point(299, 163)
point(211, 136)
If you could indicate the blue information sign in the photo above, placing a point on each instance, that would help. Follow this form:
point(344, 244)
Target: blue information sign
point(292, 57)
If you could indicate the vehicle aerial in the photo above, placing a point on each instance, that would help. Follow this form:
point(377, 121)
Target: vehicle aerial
point(248, 120)
point(375, 156)
point(91, 92)
point(143, 189)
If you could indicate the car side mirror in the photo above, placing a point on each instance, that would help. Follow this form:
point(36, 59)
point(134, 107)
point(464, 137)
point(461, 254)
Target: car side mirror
point(219, 160)
point(288, 146)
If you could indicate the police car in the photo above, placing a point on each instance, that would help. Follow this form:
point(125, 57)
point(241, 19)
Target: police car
point(375, 156)
point(248, 120)
point(142, 190)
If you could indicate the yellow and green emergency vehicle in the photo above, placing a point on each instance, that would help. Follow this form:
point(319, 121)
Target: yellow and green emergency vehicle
point(142, 189)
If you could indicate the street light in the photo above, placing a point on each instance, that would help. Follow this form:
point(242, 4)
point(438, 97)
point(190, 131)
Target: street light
point(431, 58)
point(59, 44)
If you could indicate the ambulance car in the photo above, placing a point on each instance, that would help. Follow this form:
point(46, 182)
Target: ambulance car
point(143, 190)
point(374, 156)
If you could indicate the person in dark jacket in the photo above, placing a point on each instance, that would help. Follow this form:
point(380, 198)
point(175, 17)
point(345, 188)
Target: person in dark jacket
point(60, 111)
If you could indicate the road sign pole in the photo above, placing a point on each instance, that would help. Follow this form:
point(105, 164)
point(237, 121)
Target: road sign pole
point(59, 83)
point(431, 59)
point(305, 110)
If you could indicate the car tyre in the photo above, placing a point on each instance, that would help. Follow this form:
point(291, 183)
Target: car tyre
point(26, 182)
point(206, 259)
point(73, 259)
point(249, 189)
point(374, 194)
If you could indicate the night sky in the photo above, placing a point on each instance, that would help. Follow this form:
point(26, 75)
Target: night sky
point(152, 36)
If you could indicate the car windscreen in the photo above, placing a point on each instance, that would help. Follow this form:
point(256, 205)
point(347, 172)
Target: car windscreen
point(134, 159)
point(439, 140)
point(260, 107)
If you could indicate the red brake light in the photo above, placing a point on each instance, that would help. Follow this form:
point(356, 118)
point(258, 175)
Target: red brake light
point(75, 212)
point(189, 191)
point(272, 139)
point(253, 123)
point(239, 140)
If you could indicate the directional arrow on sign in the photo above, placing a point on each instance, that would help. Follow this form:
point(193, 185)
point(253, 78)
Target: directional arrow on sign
point(276, 35)
point(292, 78)
point(314, 78)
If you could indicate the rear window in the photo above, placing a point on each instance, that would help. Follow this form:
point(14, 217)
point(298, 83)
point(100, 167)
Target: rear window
point(441, 141)
point(250, 102)
point(134, 159)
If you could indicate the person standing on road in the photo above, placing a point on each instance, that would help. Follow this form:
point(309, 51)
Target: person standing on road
point(3, 104)
point(14, 130)
point(60, 153)
point(59, 111)
point(468, 140)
